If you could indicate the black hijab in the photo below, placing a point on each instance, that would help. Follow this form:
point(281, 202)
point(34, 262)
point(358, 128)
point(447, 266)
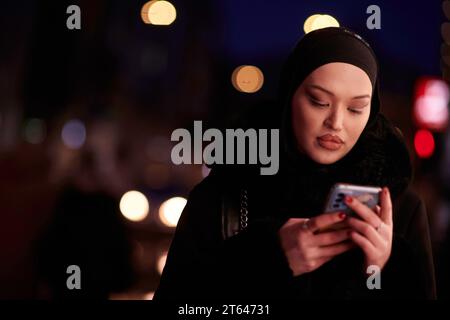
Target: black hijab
point(315, 49)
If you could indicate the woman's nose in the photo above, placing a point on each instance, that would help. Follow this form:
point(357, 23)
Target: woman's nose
point(335, 119)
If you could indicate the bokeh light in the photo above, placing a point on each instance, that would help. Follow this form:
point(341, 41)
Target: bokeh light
point(161, 262)
point(34, 131)
point(134, 206)
point(446, 8)
point(148, 295)
point(307, 26)
point(319, 21)
point(74, 134)
point(170, 211)
point(445, 32)
point(156, 12)
point(424, 143)
point(431, 104)
point(247, 79)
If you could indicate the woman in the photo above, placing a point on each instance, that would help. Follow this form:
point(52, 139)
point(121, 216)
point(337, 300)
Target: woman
point(331, 131)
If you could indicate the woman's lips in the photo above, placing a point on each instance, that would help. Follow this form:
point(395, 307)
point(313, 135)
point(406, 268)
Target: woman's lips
point(329, 144)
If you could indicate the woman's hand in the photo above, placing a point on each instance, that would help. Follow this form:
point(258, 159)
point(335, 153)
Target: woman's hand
point(305, 250)
point(373, 232)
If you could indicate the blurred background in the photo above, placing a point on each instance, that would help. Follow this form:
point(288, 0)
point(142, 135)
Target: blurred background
point(86, 117)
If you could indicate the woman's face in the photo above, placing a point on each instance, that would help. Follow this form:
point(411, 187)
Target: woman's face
point(330, 110)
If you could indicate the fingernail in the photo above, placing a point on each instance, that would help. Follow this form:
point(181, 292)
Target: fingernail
point(342, 215)
point(348, 199)
point(385, 190)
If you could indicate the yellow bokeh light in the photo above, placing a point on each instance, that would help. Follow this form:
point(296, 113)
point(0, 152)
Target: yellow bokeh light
point(161, 262)
point(158, 12)
point(307, 26)
point(145, 10)
point(319, 21)
point(148, 295)
point(324, 21)
point(247, 79)
point(170, 211)
point(134, 206)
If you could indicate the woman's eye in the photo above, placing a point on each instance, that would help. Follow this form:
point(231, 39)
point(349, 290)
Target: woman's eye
point(318, 103)
point(355, 111)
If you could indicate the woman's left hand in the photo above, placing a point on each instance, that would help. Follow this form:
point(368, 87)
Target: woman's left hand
point(373, 229)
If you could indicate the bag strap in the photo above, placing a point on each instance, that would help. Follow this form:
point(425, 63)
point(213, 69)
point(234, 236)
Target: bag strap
point(243, 213)
point(234, 213)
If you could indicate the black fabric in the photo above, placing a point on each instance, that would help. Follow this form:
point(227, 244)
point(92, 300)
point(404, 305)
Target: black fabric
point(201, 264)
point(252, 265)
point(333, 44)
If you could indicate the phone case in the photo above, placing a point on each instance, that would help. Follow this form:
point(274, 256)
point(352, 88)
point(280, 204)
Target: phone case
point(369, 195)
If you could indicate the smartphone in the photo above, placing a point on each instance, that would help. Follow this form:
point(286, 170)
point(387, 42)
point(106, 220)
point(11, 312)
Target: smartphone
point(369, 195)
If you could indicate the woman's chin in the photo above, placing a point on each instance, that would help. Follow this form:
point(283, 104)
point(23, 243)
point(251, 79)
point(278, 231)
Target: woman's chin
point(322, 156)
point(325, 157)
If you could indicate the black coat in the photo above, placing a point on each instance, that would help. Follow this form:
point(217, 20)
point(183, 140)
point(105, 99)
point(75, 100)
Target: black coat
point(202, 264)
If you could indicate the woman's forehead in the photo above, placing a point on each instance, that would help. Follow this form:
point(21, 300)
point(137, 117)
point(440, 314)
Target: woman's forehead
point(337, 76)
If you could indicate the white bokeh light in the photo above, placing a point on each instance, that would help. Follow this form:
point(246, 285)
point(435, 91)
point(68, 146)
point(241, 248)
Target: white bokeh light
point(148, 295)
point(134, 205)
point(319, 21)
point(170, 211)
point(158, 12)
point(431, 105)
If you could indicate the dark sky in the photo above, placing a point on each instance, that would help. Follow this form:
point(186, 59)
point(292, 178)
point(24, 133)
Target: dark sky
point(409, 35)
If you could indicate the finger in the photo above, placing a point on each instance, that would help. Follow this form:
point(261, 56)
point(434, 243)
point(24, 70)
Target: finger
point(366, 230)
point(363, 243)
point(378, 210)
point(334, 250)
point(363, 211)
point(330, 238)
point(293, 223)
point(325, 220)
point(386, 206)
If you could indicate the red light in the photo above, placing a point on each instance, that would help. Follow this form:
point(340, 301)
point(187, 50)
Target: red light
point(431, 104)
point(424, 143)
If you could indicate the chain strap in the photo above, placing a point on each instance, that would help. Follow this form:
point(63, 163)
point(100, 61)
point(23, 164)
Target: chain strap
point(243, 213)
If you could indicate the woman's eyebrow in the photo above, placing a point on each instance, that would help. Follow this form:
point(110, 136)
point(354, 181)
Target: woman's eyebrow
point(315, 86)
point(362, 96)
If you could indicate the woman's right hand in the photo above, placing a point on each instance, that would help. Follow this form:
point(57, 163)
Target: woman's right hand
point(305, 249)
